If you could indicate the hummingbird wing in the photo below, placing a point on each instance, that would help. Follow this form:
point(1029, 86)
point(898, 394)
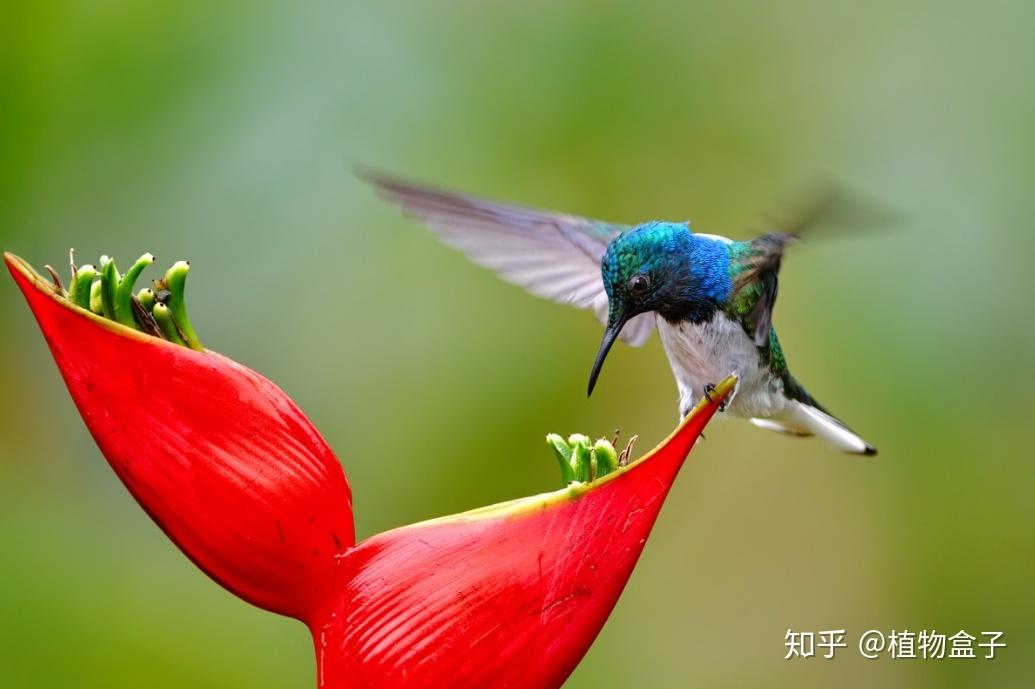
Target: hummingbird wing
point(756, 264)
point(552, 255)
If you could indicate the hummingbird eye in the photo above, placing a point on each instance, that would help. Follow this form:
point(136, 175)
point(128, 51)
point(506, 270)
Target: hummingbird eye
point(639, 284)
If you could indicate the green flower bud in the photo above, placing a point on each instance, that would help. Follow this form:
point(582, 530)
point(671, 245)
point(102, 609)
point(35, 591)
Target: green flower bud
point(174, 280)
point(96, 300)
point(562, 451)
point(164, 317)
point(123, 295)
point(79, 290)
point(605, 456)
point(109, 283)
point(146, 297)
point(581, 458)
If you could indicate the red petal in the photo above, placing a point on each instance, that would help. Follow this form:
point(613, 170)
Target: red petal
point(219, 456)
point(505, 596)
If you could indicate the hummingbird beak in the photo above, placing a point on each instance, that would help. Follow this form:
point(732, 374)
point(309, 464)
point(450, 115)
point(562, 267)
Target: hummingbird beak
point(614, 326)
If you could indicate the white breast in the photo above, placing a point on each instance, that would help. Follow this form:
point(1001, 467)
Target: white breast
point(705, 354)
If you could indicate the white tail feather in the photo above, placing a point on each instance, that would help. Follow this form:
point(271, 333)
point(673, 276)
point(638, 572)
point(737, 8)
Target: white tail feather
point(781, 427)
point(803, 420)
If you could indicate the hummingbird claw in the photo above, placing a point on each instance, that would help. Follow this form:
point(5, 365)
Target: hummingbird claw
point(709, 389)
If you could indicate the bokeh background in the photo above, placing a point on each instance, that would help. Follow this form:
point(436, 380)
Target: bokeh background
point(225, 133)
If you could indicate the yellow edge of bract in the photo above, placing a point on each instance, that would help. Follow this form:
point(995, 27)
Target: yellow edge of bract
point(543, 500)
point(43, 285)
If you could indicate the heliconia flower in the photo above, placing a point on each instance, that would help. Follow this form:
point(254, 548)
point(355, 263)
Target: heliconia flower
point(510, 595)
point(219, 456)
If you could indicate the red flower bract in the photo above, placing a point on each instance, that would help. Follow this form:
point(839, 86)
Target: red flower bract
point(505, 596)
point(219, 456)
point(510, 595)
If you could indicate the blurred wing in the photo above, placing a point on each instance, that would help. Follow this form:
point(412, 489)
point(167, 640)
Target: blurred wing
point(552, 255)
point(828, 208)
point(757, 267)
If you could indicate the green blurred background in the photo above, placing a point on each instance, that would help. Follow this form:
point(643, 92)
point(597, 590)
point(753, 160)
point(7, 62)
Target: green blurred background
point(224, 132)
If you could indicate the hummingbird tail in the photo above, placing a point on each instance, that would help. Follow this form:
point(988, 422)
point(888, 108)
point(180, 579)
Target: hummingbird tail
point(802, 419)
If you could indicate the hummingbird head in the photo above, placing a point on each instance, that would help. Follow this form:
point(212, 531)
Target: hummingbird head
point(662, 267)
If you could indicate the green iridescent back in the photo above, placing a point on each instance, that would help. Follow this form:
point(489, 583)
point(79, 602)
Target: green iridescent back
point(752, 279)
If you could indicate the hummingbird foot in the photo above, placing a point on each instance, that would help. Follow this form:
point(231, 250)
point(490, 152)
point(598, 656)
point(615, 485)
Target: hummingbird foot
point(709, 391)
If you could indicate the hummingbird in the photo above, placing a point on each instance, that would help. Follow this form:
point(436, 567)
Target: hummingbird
point(710, 298)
